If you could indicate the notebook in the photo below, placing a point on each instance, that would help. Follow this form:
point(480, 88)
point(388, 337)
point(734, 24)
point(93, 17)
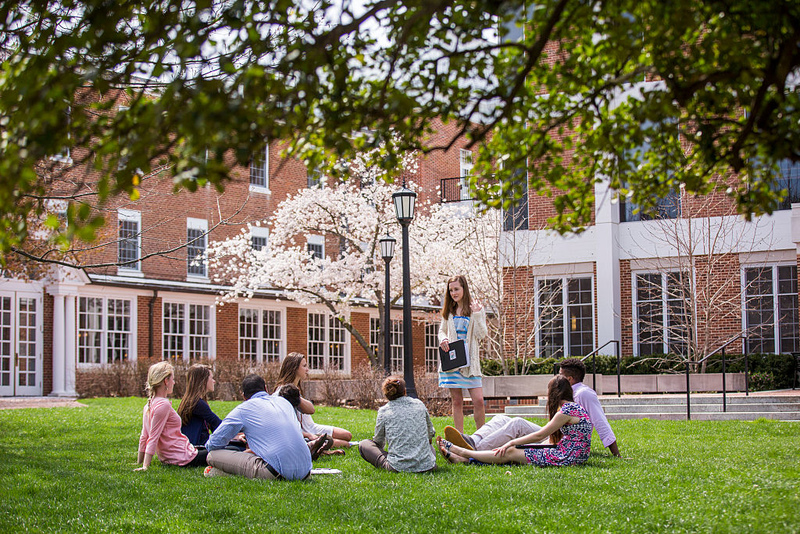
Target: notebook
point(456, 358)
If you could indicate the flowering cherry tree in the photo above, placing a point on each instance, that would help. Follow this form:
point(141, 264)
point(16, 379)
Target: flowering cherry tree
point(352, 216)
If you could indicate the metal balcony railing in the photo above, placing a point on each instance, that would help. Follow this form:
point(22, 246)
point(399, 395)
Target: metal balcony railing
point(454, 190)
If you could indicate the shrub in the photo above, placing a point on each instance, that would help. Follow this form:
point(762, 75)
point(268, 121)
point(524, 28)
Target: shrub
point(780, 367)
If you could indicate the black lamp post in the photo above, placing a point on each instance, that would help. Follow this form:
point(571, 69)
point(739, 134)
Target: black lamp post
point(387, 253)
point(404, 200)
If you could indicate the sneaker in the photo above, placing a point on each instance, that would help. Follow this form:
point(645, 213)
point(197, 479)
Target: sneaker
point(214, 472)
point(457, 438)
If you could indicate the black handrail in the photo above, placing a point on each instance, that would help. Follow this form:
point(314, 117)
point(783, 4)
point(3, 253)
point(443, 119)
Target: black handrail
point(593, 355)
point(741, 335)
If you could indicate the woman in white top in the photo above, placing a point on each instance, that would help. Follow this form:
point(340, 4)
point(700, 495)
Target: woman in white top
point(463, 319)
point(294, 369)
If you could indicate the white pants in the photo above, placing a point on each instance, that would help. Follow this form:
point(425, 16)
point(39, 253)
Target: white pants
point(502, 429)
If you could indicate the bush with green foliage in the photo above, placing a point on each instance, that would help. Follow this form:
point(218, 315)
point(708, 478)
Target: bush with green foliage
point(767, 371)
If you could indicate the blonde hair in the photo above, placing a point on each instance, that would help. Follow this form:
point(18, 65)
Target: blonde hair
point(156, 375)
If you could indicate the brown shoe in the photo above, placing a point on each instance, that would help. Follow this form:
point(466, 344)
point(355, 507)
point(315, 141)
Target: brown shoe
point(457, 438)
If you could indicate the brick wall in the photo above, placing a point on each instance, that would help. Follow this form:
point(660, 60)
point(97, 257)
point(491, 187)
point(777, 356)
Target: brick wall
point(228, 332)
point(296, 330)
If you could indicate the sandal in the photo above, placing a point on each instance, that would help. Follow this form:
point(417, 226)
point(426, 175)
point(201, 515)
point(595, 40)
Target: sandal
point(317, 446)
point(444, 448)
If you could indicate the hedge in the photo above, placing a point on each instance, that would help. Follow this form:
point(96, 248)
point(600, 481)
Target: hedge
point(767, 371)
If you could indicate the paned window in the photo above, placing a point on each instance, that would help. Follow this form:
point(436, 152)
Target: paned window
point(465, 164)
point(327, 343)
point(186, 331)
point(431, 347)
point(789, 180)
point(197, 260)
point(771, 314)
point(396, 347)
point(316, 179)
point(128, 251)
point(259, 237)
point(315, 244)
point(260, 335)
point(560, 298)
point(516, 217)
point(105, 331)
point(663, 319)
point(259, 169)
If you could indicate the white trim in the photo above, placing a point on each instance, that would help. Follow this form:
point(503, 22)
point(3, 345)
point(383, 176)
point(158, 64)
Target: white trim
point(124, 215)
point(186, 300)
point(261, 306)
point(565, 308)
point(259, 188)
point(259, 231)
point(202, 225)
point(105, 294)
point(346, 366)
point(317, 240)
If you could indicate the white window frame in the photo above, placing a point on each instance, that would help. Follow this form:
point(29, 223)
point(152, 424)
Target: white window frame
point(131, 269)
point(104, 331)
point(316, 240)
point(326, 356)
point(264, 187)
point(259, 339)
point(315, 178)
point(565, 279)
point(432, 347)
point(259, 232)
point(184, 335)
point(465, 164)
point(202, 225)
point(777, 349)
point(665, 310)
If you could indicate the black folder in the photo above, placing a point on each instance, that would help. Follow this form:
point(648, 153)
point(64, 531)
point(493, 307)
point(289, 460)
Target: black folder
point(456, 358)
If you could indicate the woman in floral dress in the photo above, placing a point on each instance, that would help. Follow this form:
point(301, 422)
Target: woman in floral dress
point(569, 429)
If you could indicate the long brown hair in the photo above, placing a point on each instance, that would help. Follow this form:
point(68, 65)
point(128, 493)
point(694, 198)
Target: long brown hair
point(558, 389)
point(289, 366)
point(196, 382)
point(450, 306)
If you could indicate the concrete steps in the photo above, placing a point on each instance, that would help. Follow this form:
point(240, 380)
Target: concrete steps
point(705, 407)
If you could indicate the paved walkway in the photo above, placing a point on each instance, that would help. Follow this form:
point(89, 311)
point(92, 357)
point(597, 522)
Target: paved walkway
point(10, 403)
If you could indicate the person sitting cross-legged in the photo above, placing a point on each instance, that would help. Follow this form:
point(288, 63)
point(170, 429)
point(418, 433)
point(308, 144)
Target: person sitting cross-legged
point(277, 449)
point(569, 429)
point(405, 426)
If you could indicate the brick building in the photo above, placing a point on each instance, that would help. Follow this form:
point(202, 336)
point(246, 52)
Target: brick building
point(148, 304)
point(691, 275)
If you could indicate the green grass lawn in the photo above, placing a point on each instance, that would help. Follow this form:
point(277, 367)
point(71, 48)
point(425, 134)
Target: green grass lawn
point(71, 470)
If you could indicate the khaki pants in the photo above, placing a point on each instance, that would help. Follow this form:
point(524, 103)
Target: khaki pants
point(240, 463)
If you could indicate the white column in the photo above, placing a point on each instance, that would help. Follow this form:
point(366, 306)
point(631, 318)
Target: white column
point(609, 300)
point(71, 354)
point(59, 349)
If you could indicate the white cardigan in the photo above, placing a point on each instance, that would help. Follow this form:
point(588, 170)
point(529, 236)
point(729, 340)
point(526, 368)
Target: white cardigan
point(476, 331)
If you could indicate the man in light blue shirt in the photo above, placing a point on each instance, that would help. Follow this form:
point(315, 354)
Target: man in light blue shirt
point(273, 435)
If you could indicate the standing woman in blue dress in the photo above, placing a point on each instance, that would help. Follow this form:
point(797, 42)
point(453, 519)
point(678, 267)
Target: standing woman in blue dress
point(463, 319)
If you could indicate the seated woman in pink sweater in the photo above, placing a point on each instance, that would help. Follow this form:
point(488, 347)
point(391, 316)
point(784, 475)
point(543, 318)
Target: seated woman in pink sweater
point(161, 425)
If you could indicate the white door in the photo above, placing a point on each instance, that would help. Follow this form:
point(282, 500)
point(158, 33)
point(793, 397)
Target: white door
point(20, 345)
